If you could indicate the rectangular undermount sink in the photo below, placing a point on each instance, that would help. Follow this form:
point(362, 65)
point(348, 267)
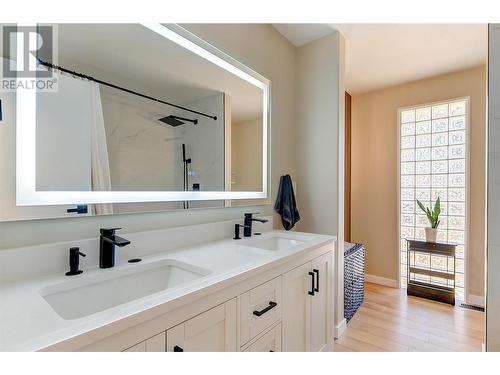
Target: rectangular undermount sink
point(84, 296)
point(275, 243)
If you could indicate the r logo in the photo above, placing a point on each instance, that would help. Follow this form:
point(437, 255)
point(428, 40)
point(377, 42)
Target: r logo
point(23, 45)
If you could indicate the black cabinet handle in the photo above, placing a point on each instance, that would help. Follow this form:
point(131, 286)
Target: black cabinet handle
point(263, 311)
point(178, 349)
point(80, 209)
point(316, 289)
point(311, 292)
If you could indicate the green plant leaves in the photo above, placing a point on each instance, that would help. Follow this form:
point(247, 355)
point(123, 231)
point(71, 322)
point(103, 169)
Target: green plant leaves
point(432, 216)
point(422, 207)
point(437, 207)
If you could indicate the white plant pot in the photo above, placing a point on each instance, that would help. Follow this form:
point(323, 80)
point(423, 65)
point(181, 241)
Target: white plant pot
point(431, 234)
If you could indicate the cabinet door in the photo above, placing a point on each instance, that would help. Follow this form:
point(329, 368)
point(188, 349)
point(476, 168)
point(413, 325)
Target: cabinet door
point(212, 331)
point(320, 303)
point(153, 344)
point(156, 343)
point(140, 347)
point(296, 309)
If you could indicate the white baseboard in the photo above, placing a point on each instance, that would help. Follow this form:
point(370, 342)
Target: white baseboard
point(475, 300)
point(339, 329)
point(382, 281)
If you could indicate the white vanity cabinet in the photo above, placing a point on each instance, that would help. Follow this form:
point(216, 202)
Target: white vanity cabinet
point(212, 331)
point(307, 297)
point(285, 307)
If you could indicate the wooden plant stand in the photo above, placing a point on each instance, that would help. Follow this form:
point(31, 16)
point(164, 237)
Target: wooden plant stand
point(431, 282)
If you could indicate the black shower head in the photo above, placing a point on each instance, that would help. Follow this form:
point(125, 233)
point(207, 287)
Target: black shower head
point(171, 120)
point(176, 120)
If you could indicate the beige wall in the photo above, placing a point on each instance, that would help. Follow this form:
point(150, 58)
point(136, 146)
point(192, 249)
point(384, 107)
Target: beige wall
point(374, 168)
point(246, 148)
point(318, 134)
point(320, 129)
point(261, 48)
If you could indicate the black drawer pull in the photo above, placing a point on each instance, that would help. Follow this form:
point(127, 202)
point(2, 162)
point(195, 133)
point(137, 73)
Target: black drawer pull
point(263, 311)
point(311, 292)
point(316, 289)
point(177, 348)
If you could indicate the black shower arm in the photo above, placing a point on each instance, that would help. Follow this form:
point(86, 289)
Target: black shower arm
point(90, 78)
point(195, 121)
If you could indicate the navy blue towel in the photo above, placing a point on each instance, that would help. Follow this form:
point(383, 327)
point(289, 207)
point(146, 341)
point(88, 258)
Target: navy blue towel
point(285, 203)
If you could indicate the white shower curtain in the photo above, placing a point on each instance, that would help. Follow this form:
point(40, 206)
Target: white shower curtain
point(101, 177)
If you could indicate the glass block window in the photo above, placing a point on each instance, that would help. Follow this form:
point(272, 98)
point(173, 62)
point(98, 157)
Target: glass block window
point(433, 163)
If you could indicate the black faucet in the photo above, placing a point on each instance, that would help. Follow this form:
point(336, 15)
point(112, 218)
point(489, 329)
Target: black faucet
point(108, 241)
point(249, 219)
point(74, 261)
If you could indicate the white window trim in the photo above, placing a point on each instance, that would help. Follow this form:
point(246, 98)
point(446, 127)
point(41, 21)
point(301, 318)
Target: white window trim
point(467, 183)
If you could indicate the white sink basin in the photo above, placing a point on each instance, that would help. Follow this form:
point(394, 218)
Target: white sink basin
point(87, 295)
point(275, 243)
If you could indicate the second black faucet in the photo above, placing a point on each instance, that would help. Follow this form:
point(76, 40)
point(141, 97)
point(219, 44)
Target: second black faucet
point(249, 219)
point(107, 242)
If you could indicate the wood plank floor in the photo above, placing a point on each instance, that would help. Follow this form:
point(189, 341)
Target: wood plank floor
point(388, 320)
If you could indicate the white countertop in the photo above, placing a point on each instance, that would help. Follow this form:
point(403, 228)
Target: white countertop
point(28, 322)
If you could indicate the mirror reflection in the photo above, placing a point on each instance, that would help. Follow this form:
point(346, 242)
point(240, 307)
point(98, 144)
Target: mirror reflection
point(134, 111)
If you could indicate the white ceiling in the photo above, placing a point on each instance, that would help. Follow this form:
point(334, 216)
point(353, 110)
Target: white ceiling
point(383, 55)
point(300, 34)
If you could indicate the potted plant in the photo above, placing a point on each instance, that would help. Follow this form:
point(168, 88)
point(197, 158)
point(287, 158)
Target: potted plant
point(433, 217)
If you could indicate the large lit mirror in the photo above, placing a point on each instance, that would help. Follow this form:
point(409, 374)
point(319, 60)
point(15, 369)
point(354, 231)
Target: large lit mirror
point(142, 117)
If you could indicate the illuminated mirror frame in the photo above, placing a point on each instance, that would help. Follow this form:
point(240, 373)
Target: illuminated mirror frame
point(26, 193)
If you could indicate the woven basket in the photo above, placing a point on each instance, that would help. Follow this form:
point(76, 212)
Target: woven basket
point(354, 279)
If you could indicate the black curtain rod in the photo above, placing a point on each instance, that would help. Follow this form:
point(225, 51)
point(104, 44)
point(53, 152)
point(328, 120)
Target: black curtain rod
point(90, 78)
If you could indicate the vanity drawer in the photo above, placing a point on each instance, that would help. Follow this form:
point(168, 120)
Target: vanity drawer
point(269, 342)
point(259, 308)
